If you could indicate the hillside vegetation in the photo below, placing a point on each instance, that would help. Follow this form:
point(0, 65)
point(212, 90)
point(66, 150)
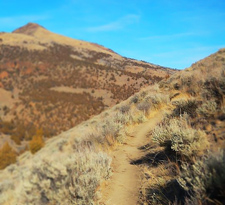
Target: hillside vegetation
point(182, 158)
point(53, 83)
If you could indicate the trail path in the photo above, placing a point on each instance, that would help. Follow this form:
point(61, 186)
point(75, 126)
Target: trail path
point(124, 186)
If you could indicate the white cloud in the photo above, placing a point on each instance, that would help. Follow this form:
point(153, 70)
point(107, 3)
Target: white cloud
point(116, 25)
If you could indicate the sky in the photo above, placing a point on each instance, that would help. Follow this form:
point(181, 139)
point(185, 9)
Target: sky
point(171, 33)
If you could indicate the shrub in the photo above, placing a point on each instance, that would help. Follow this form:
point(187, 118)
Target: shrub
point(125, 109)
point(16, 138)
point(207, 109)
point(205, 180)
point(111, 130)
point(72, 179)
point(123, 118)
point(183, 106)
point(134, 99)
point(139, 117)
point(158, 100)
point(19, 133)
point(7, 156)
point(144, 106)
point(177, 134)
point(7, 127)
point(37, 142)
point(215, 88)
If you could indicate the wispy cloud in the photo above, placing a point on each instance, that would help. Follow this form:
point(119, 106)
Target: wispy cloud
point(171, 36)
point(12, 21)
point(116, 25)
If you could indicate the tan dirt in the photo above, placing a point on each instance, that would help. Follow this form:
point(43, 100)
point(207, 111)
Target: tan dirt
point(124, 186)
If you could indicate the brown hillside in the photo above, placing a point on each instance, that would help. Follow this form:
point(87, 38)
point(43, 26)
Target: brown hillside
point(55, 82)
point(163, 145)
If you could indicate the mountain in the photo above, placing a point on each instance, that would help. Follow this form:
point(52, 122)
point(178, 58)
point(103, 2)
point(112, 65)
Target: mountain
point(52, 83)
point(163, 145)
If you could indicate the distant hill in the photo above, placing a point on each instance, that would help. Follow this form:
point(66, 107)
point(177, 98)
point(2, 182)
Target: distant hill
point(52, 82)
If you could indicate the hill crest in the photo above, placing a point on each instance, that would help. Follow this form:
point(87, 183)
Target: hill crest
point(29, 29)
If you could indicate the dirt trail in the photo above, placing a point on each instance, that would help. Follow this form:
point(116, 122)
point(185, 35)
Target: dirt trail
point(123, 187)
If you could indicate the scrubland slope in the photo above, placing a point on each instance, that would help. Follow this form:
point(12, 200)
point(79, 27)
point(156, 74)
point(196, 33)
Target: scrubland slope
point(52, 83)
point(170, 137)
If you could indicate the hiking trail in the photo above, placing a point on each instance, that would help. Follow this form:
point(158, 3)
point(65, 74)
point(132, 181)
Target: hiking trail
point(124, 186)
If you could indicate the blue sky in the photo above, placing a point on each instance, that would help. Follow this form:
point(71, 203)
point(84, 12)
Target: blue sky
point(172, 33)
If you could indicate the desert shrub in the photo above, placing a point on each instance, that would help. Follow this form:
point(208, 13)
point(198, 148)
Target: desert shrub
point(123, 118)
point(207, 109)
point(214, 89)
point(205, 179)
point(7, 127)
point(122, 136)
point(71, 179)
point(111, 130)
point(158, 100)
point(184, 106)
point(178, 135)
point(144, 106)
point(7, 156)
point(138, 117)
point(125, 109)
point(16, 138)
point(186, 80)
point(134, 99)
point(19, 133)
point(37, 142)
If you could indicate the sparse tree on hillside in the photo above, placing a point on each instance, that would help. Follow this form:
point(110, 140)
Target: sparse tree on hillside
point(7, 156)
point(37, 141)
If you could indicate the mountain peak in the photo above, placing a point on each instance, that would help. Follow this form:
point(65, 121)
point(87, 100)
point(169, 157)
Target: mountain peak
point(29, 29)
